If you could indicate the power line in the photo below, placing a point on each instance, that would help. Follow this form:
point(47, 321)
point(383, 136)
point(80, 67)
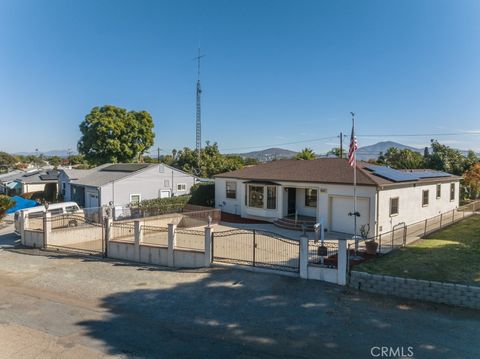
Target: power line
point(280, 144)
point(471, 133)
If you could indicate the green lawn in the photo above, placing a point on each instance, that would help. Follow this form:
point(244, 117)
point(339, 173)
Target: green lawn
point(449, 255)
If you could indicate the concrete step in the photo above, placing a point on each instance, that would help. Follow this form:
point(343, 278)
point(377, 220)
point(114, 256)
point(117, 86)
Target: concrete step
point(292, 226)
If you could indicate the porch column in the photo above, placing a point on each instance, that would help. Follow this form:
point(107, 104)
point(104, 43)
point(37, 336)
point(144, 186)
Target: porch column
point(318, 206)
point(280, 192)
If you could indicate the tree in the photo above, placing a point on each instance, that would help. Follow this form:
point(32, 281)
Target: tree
point(55, 161)
point(306, 154)
point(444, 158)
point(336, 151)
point(401, 159)
point(212, 161)
point(113, 134)
point(471, 181)
point(7, 159)
point(5, 203)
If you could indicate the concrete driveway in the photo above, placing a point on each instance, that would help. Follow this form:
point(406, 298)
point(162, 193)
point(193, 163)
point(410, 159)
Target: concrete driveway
point(64, 306)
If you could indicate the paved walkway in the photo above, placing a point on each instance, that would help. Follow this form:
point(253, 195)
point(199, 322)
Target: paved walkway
point(72, 307)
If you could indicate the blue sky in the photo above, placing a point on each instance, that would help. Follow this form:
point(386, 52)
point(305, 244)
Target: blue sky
point(275, 71)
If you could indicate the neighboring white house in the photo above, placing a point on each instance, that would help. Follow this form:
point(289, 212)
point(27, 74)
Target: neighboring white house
point(124, 183)
point(323, 189)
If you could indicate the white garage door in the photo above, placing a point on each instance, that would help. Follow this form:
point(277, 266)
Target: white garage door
point(341, 207)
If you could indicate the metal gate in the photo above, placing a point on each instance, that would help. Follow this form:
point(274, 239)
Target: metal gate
point(76, 233)
point(256, 248)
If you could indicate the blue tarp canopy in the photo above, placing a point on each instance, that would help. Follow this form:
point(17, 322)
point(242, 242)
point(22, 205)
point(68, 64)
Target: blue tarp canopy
point(21, 203)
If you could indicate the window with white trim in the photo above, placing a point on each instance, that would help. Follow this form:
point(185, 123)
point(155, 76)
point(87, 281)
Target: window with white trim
point(135, 198)
point(425, 197)
point(181, 187)
point(311, 197)
point(255, 196)
point(271, 197)
point(439, 191)
point(231, 189)
point(452, 191)
point(394, 206)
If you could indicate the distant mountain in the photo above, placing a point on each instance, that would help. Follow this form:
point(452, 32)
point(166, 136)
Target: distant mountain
point(59, 153)
point(373, 151)
point(268, 155)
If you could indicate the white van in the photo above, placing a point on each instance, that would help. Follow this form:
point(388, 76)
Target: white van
point(35, 215)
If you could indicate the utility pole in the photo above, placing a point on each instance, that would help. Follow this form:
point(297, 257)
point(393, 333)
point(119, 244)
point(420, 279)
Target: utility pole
point(341, 144)
point(158, 154)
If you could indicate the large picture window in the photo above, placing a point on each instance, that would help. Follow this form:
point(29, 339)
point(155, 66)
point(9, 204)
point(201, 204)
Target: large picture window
point(271, 197)
point(311, 197)
point(255, 196)
point(231, 188)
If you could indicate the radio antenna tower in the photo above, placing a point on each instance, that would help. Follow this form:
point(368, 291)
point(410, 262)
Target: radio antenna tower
point(198, 117)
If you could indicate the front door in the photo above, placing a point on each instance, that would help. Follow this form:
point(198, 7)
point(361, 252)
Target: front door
point(292, 200)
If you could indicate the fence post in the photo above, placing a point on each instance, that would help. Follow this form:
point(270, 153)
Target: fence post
point(23, 225)
point(137, 231)
point(254, 245)
point(108, 233)
point(425, 231)
point(171, 244)
point(453, 215)
point(404, 235)
point(47, 227)
point(342, 262)
point(208, 245)
point(441, 217)
point(304, 257)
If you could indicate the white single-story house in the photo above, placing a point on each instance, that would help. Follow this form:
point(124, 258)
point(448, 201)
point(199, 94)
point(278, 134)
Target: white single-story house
point(322, 189)
point(123, 183)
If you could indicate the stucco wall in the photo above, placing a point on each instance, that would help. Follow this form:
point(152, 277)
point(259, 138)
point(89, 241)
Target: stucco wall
point(410, 204)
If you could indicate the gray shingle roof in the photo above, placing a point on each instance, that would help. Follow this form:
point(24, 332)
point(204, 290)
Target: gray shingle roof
point(100, 176)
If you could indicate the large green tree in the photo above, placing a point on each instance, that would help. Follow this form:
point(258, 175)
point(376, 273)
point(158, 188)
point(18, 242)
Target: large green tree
point(401, 159)
point(114, 134)
point(444, 158)
point(211, 161)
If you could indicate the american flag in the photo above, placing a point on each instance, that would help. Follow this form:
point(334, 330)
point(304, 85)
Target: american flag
point(353, 148)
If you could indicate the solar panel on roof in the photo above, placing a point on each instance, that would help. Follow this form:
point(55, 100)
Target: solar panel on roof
point(392, 174)
point(125, 167)
point(48, 177)
point(428, 174)
point(28, 174)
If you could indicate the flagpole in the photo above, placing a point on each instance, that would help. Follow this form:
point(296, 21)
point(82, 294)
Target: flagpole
point(354, 190)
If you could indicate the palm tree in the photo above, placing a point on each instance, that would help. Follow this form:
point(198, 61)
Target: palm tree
point(306, 154)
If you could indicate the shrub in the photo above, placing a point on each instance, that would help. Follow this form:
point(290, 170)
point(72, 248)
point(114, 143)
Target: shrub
point(160, 205)
point(203, 194)
point(5, 203)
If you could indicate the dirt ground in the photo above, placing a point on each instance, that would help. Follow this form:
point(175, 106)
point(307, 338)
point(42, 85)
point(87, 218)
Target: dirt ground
point(65, 306)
